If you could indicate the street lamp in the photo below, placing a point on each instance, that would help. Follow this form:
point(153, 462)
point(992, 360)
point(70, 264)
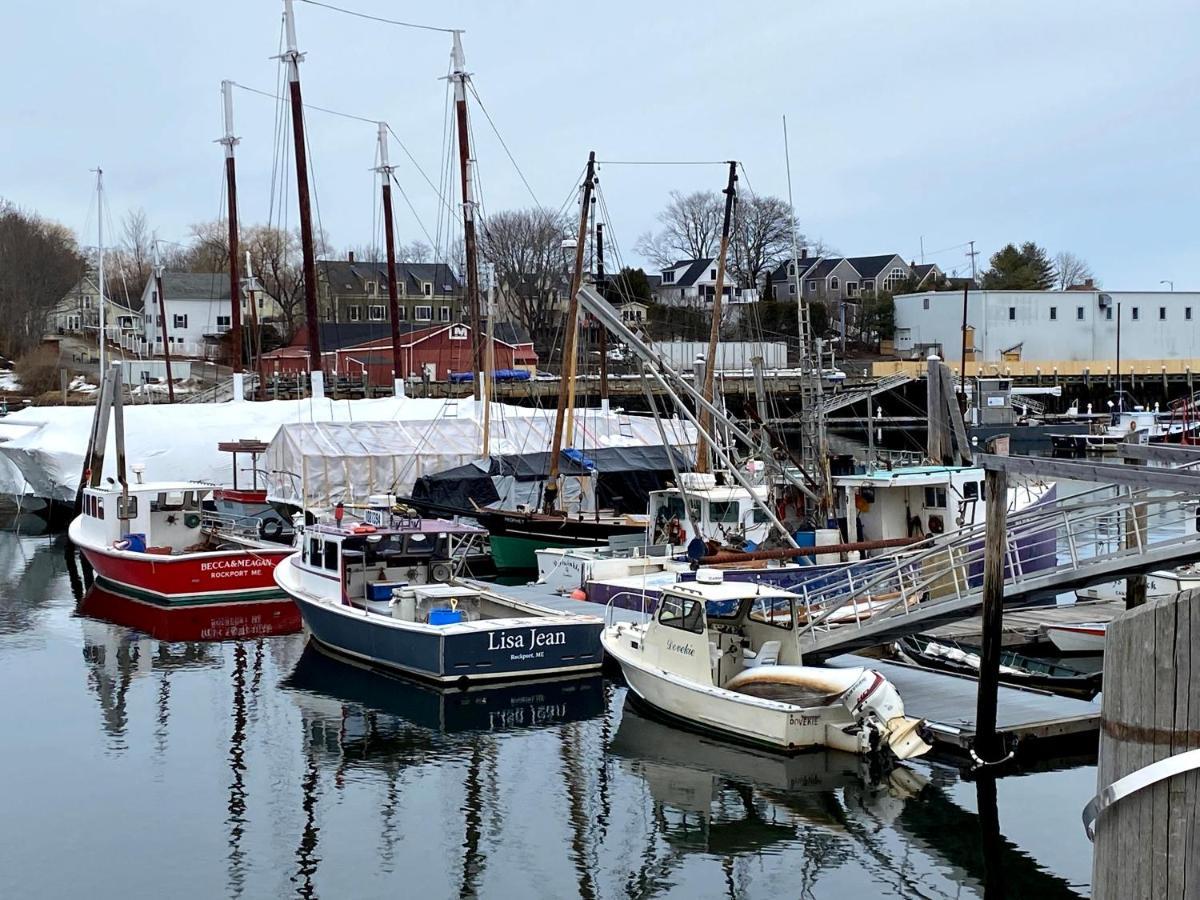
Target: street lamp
point(1168, 281)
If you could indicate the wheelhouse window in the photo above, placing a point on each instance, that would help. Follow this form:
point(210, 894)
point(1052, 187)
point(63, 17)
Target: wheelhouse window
point(314, 552)
point(971, 490)
point(724, 512)
point(683, 613)
point(935, 498)
point(774, 611)
point(331, 556)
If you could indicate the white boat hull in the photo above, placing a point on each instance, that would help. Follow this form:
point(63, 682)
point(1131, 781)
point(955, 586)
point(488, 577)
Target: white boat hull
point(1087, 637)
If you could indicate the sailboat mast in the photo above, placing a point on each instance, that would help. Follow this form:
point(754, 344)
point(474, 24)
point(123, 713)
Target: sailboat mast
point(570, 327)
point(100, 262)
point(293, 57)
point(162, 320)
point(710, 367)
point(389, 240)
point(460, 77)
point(489, 364)
point(235, 283)
point(600, 289)
point(255, 331)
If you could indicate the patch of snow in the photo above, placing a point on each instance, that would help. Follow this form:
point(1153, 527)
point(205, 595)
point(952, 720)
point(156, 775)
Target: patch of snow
point(9, 380)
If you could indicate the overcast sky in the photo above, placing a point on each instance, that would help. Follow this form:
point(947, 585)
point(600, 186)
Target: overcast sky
point(1075, 124)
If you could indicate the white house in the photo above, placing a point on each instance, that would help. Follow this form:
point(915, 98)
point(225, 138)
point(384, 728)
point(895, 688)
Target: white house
point(198, 312)
point(691, 282)
point(1074, 325)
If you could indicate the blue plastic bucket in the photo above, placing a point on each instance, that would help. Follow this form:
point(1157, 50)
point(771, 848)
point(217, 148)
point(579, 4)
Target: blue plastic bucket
point(444, 616)
point(135, 543)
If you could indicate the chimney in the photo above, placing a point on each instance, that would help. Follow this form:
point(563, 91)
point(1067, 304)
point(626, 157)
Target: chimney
point(349, 256)
point(1089, 283)
point(804, 253)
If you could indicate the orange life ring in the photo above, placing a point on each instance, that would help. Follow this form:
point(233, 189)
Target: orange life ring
point(363, 529)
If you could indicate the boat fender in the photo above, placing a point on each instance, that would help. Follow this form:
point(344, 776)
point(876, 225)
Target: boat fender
point(578, 594)
point(191, 520)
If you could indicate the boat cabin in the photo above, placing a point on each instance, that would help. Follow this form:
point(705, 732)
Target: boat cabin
point(158, 517)
point(913, 501)
point(363, 562)
point(709, 630)
point(726, 513)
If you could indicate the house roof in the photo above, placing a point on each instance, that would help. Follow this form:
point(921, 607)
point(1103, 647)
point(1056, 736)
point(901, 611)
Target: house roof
point(344, 275)
point(923, 269)
point(195, 285)
point(870, 266)
point(695, 268)
point(781, 275)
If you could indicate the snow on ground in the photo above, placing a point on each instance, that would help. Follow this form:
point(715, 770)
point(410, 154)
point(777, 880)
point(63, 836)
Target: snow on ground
point(9, 380)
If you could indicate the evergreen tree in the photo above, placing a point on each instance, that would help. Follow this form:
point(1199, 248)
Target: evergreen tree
point(1028, 268)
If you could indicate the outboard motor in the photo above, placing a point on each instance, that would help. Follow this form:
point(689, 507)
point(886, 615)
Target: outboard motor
point(875, 703)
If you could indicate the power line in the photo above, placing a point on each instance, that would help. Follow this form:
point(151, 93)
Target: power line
point(662, 162)
point(496, 131)
point(361, 15)
point(324, 109)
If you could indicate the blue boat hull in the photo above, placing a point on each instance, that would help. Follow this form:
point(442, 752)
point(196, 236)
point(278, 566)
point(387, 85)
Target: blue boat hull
point(452, 655)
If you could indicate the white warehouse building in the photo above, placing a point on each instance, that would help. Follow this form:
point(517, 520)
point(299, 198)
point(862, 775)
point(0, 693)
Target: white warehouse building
point(1076, 325)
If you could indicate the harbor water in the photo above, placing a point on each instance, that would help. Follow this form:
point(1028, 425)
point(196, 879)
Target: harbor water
point(191, 754)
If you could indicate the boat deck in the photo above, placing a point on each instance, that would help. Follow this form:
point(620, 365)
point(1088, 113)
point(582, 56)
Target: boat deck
point(947, 702)
point(1023, 626)
point(540, 595)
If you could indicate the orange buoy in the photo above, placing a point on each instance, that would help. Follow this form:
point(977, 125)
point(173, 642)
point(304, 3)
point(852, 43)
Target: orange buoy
point(579, 594)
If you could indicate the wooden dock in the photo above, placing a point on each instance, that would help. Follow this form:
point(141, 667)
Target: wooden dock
point(948, 701)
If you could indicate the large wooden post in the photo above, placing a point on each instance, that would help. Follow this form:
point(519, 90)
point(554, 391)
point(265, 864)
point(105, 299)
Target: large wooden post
point(1135, 536)
point(714, 334)
point(389, 240)
point(601, 289)
point(162, 321)
point(995, 543)
point(237, 360)
point(460, 77)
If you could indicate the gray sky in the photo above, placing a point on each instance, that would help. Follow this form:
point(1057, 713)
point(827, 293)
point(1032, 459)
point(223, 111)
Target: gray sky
point(1075, 124)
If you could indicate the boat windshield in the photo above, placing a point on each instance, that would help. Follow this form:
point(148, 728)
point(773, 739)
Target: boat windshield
point(723, 609)
point(773, 610)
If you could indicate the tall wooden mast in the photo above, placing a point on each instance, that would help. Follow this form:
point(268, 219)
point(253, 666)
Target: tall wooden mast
point(385, 171)
point(292, 56)
point(460, 78)
point(570, 327)
point(235, 283)
point(162, 320)
point(702, 450)
point(602, 291)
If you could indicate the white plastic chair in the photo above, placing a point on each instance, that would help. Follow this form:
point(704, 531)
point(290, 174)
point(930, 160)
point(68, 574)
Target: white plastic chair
point(767, 655)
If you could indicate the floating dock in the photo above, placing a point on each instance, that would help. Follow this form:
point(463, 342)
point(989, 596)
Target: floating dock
point(948, 701)
point(1023, 625)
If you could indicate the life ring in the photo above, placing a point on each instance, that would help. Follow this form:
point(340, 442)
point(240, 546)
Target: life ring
point(270, 528)
point(363, 529)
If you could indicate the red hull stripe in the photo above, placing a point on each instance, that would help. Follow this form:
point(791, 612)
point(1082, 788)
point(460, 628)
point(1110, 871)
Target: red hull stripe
point(193, 576)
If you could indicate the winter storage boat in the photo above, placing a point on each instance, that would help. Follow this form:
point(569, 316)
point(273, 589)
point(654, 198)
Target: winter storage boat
point(1083, 637)
point(381, 591)
point(724, 657)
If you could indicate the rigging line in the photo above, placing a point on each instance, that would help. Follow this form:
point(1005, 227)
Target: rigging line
point(362, 15)
point(408, 203)
point(416, 165)
point(496, 131)
point(324, 109)
point(662, 162)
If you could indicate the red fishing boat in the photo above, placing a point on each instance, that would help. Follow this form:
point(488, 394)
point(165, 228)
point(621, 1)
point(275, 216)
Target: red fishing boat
point(159, 542)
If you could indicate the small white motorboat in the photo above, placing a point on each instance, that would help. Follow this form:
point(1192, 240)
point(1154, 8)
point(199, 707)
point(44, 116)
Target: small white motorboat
point(724, 657)
point(1081, 637)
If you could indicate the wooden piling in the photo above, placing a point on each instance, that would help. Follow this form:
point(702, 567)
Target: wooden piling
point(1135, 536)
point(1148, 843)
point(995, 543)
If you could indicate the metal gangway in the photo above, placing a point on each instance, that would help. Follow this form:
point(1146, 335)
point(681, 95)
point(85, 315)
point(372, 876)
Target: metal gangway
point(1090, 538)
point(222, 391)
point(849, 398)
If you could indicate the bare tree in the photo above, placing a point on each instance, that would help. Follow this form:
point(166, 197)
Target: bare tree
point(762, 237)
point(1070, 270)
point(691, 228)
point(416, 252)
point(137, 248)
point(525, 248)
point(276, 258)
point(39, 261)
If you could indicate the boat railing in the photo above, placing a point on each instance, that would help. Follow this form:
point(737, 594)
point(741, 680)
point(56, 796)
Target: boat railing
point(1041, 543)
point(611, 605)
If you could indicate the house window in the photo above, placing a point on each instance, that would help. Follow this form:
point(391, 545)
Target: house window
point(668, 277)
point(427, 289)
point(1012, 314)
point(222, 323)
point(87, 302)
point(792, 289)
point(712, 274)
point(833, 283)
point(261, 303)
point(1162, 314)
point(401, 313)
point(353, 313)
point(852, 288)
point(1108, 313)
point(125, 322)
point(868, 284)
point(399, 288)
point(444, 314)
point(376, 313)
point(1187, 313)
point(925, 303)
point(1079, 313)
point(370, 289)
point(180, 321)
point(812, 287)
point(1053, 313)
point(1136, 313)
point(423, 313)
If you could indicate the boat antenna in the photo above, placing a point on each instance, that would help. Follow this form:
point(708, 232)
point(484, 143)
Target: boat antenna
point(703, 463)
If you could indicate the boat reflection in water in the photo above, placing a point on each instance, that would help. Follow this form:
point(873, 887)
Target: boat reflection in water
point(369, 705)
point(238, 621)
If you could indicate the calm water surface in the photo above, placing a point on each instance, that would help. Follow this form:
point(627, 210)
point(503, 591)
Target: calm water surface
point(155, 759)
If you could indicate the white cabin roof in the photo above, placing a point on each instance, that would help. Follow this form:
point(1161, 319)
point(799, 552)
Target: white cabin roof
point(910, 476)
point(153, 487)
point(726, 590)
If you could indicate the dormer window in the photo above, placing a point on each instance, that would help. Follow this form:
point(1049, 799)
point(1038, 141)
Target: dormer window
point(712, 274)
point(370, 288)
point(668, 277)
point(427, 289)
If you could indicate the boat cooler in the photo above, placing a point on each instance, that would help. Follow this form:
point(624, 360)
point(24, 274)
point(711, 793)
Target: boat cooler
point(381, 591)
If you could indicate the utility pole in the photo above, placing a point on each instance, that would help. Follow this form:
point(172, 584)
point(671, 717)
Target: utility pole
point(702, 449)
point(570, 327)
point(385, 172)
point(460, 78)
point(293, 57)
point(603, 331)
point(162, 320)
point(973, 254)
point(235, 282)
point(962, 372)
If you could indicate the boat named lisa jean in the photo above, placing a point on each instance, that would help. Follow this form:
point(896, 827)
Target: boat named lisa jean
point(156, 542)
point(381, 591)
point(724, 657)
